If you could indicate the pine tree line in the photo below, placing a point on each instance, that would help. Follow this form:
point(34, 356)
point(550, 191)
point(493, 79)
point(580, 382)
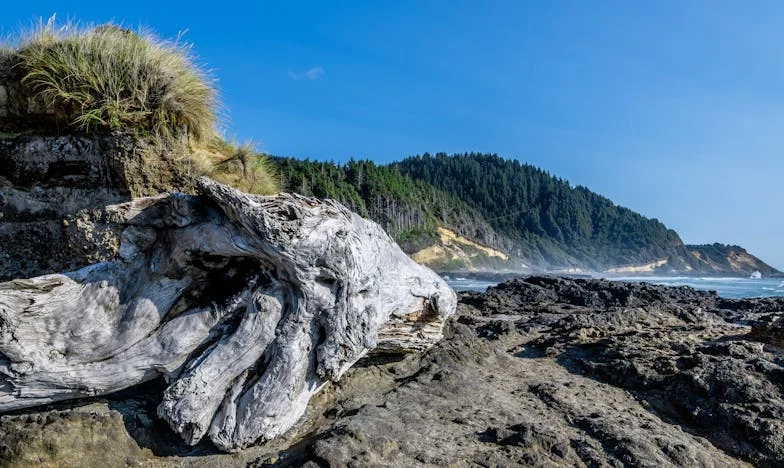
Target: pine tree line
point(505, 204)
point(550, 221)
point(409, 210)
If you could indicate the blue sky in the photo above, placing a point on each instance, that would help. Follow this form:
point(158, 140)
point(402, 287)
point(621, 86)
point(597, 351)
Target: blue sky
point(672, 108)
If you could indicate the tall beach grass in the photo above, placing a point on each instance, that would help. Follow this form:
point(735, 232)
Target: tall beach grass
point(113, 78)
point(108, 78)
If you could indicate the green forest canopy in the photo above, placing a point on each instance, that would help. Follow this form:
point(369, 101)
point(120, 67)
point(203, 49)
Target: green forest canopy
point(502, 203)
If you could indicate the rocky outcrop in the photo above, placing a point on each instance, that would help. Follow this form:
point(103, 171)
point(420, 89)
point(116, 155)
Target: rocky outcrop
point(52, 188)
point(686, 356)
point(248, 305)
point(54, 180)
point(769, 328)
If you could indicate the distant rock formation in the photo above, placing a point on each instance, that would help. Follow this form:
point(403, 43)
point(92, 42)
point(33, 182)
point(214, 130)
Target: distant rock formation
point(247, 304)
point(730, 260)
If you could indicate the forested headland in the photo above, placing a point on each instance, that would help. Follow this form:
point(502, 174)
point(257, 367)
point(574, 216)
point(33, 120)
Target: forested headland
point(541, 221)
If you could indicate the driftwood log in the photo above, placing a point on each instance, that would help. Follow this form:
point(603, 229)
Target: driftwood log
point(247, 305)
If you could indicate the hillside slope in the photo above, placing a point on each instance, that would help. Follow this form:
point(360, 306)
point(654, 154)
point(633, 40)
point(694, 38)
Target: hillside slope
point(552, 223)
point(555, 226)
point(445, 232)
point(479, 212)
point(720, 258)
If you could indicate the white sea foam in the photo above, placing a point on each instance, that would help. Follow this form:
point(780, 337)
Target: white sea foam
point(725, 287)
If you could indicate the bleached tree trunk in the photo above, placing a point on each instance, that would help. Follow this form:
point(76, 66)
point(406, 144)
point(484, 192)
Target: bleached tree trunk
point(247, 304)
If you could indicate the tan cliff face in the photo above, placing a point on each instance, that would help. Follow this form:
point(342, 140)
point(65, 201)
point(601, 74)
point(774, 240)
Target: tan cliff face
point(453, 252)
point(742, 261)
point(711, 260)
point(644, 268)
point(728, 260)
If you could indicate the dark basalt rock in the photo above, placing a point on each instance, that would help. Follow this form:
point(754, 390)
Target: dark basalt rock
point(686, 354)
point(769, 329)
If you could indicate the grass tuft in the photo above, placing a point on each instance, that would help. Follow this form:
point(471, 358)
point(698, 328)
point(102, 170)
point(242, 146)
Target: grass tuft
point(240, 166)
point(108, 78)
point(111, 78)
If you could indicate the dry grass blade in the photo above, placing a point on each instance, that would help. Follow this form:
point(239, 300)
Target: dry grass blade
point(239, 166)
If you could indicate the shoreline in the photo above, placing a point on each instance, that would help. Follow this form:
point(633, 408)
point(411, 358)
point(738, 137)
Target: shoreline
point(725, 287)
point(505, 275)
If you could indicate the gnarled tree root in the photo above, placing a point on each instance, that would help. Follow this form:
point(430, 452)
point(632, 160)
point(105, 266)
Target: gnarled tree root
point(247, 304)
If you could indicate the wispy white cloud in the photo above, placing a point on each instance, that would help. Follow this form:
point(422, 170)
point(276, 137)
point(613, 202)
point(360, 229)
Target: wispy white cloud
point(313, 74)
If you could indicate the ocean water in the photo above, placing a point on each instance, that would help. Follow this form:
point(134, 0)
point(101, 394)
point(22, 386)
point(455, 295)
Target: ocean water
point(732, 288)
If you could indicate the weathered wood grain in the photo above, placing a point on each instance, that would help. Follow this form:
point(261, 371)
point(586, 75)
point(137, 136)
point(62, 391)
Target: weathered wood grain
point(247, 304)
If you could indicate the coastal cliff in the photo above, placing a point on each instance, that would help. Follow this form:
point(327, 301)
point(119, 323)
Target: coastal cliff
point(718, 259)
